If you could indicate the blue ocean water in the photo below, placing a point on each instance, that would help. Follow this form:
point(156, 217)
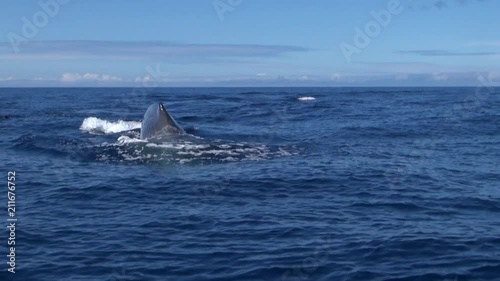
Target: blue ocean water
point(270, 184)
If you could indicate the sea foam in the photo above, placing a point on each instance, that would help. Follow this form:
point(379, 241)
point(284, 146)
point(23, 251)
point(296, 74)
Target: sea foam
point(306, 98)
point(96, 125)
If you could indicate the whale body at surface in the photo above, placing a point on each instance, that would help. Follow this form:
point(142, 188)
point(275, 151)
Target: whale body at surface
point(157, 123)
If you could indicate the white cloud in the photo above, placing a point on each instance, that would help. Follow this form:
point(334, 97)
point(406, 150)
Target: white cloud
point(335, 77)
point(394, 68)
point(107, 77)
point(261, 74)
point(76, 77)
point(113, 50)
point(486, 43)
point(10, 78)
point(146, 78)
point(401, 77)
point(439, 76)
point(494, 76)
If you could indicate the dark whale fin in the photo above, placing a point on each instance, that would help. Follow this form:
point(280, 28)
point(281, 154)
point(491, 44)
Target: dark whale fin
point(158, 123)
point(170, 121)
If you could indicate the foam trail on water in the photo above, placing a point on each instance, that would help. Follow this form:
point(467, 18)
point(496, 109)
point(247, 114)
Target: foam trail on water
point(126, 139)
point(96, 125)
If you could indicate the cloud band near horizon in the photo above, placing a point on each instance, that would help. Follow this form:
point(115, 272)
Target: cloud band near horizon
point(174, 52)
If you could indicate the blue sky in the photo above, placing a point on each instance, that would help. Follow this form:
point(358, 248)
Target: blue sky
point(249, 43)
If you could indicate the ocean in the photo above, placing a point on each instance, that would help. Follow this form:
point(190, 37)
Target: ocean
point(268, 184)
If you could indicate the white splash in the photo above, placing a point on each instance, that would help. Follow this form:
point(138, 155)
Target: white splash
point(125, 139)
point(306, 98)
point(96, 125)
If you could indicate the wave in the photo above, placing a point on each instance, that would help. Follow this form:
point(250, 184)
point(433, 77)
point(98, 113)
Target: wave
point(96, 125)
point(306, 98)
point(184, 150)
point(126, 139)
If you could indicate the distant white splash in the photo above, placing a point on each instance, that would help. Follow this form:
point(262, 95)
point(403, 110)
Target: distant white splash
point(96, 125)
point(306, 98)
